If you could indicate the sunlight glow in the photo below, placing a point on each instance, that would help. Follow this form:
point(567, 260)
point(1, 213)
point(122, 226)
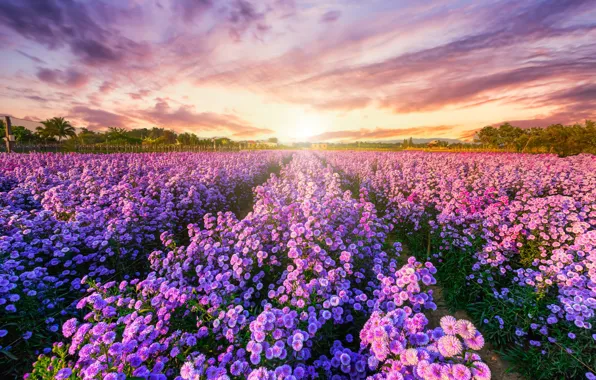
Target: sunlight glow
point(307, 126)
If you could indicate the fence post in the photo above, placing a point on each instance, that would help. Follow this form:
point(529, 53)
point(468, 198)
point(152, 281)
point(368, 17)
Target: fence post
point(9, 135)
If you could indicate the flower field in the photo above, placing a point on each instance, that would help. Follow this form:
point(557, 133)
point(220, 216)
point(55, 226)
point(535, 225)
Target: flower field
point(296, 265)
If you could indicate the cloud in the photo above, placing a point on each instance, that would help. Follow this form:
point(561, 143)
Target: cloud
point(190, 10)
point(185, 118)
point(467, 89)
point(242, 15)
point(330, 16)
point(59, 23)
point(139, 94)
point(468, 135)
point(99, 119)
point(107, 87)
point(70, 78)
point(383, 133)
point(37, 98)
point(458, 70)
point(569, 106)
point(416, 57)
point(31, 57)
point(343, 104)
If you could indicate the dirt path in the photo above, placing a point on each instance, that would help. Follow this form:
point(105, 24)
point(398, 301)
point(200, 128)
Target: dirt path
point(497, 365)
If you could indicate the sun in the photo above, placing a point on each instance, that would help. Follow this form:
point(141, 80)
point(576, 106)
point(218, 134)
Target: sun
point(307, 126)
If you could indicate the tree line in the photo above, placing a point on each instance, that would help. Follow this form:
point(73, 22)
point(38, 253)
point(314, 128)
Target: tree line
point(59, 130)
point(564, 140)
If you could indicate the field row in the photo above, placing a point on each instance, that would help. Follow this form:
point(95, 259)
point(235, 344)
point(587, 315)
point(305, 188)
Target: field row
point(514, 241)
point(299, 288)
point(65, 217)
point(169, 266)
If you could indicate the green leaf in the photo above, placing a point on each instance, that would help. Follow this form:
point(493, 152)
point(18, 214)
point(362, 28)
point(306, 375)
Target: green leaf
point(10, 355)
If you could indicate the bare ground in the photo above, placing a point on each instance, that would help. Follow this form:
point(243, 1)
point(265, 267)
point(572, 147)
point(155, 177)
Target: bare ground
point(497, 365)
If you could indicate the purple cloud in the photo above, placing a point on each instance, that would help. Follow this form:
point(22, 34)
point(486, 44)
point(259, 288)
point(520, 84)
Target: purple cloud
point(69, 78)
point(56, 24)
point(330, 16)
point(99, 119)
point(184, 117)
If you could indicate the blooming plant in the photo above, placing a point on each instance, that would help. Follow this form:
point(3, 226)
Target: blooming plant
point(285, 292)
point(512, 237)
point(274, 265)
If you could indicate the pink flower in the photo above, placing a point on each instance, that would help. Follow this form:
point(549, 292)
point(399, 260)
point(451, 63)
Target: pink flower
point(448, 324)
point(449, 346)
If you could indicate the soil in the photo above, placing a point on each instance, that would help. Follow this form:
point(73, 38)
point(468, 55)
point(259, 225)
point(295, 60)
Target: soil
point(497, 365)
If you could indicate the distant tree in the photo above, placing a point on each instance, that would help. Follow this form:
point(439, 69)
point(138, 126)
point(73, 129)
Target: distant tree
point(115, 133)
point(138, 133)
point(63, 128)
point(56, 127)
point(169, 137)
point(488, 136)
point(590, 133)
point(23, 135)
point(155, 133)
point(47, 132)
point(86, 136)
point(508, 134)
point(273, 140)
point(184, 138)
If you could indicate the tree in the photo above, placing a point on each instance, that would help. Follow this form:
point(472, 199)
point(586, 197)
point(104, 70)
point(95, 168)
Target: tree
point(183, 138)
point(63, 128)
point(23, 135)
point(87, 136)
point(47, 132)
point(115, 133)
point(273, 140)
point(56, 127)
point(508, 134)
point(488, 136)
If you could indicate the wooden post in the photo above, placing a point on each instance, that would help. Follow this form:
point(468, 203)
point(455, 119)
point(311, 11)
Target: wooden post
point(9, 135)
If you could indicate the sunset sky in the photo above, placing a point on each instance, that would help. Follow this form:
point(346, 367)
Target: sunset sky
point(318, 70)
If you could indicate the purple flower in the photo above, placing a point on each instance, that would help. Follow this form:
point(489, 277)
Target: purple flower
point(69, 327)
point(63, 374)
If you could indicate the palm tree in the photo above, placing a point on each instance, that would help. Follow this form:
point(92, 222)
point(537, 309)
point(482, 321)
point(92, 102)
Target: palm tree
point(63, 128)
point(47, 131)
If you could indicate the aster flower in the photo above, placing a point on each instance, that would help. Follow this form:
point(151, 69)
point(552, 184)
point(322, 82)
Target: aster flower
point(449, 346)
point(480, 371)
point(449, 325)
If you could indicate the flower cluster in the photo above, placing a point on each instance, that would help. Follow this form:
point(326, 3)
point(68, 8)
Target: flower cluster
point(63, 217)
point(282, 293)
point(401, 348)
point(510, 234)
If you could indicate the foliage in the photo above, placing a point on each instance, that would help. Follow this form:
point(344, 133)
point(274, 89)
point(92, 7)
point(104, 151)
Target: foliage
point(56, 127)
point(565, 140)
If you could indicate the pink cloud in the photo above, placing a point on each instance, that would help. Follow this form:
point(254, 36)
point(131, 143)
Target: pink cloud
point(384, 133)
point(185, 118)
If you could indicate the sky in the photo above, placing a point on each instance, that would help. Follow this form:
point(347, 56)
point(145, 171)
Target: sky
point(317, 70)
